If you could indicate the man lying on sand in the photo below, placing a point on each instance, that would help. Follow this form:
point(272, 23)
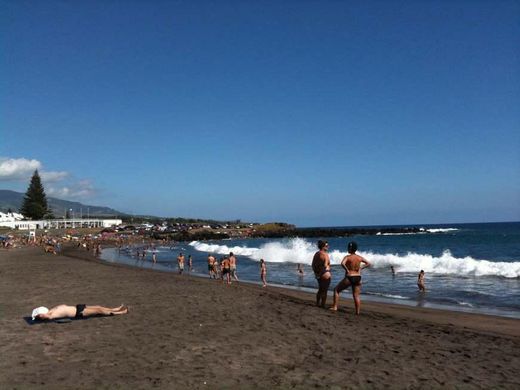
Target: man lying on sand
point(78, 311)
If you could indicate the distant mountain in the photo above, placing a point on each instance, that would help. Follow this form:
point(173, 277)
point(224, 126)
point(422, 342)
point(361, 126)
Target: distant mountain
point(13, 200)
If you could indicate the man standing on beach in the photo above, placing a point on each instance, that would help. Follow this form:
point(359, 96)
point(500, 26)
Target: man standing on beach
point(233, 266)
point(180, 261)
point(352, 264)
point(226, 270)
point(321, 268)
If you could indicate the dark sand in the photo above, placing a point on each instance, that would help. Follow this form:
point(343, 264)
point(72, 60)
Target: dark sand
point(185, 332)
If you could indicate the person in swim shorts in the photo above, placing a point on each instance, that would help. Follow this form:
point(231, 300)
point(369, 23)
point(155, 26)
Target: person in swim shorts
point(226, 270)
point(352, 264)
point(180, 262)
point(80, 311)
point(321, 268)
point(233, 266)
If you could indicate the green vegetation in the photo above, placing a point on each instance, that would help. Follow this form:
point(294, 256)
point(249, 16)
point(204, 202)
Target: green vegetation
point(34, 204)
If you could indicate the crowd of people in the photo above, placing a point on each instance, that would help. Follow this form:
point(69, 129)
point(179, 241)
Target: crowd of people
point(225, 267)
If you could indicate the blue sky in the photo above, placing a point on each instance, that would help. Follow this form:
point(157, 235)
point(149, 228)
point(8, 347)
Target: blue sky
point(311, 112)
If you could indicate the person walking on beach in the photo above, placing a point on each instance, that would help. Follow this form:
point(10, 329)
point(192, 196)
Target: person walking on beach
point(98, 250)
point(154, 256)
point(211, 267)
point(352, 264)
point(321, 268)
point(233, 265)
point(180, 262)
point(263, 272)
point(226, 271)
point(420, 281)
point(217, 268)
point(190, 263)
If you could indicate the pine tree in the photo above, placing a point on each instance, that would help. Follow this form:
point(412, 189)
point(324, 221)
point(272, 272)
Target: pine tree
point(34, 204)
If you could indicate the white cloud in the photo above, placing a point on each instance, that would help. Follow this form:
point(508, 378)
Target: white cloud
point(17, 168)
point(80, 190)
point(51, 177)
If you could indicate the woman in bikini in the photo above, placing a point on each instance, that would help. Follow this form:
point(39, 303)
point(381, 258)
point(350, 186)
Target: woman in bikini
point(321, 268)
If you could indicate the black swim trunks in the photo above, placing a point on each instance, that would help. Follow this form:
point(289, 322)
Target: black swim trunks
point(354, 280)
point(79, 310)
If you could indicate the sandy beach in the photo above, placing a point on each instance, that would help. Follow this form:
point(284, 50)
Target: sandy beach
point(188, 332)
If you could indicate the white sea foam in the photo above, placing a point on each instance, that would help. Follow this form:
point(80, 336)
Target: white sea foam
point(299, 250)
point(387, 295)
point(421, 231)
point(441, 230)
point(400, 234)
point(445, 264)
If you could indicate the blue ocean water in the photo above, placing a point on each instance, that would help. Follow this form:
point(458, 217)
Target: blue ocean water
point(472, 267)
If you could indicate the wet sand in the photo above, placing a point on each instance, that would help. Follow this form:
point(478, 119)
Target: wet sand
point(187, 332)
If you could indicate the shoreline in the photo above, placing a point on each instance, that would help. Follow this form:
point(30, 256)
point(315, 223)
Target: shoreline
point(308, 294)
point(194, 332)
point(366, 297)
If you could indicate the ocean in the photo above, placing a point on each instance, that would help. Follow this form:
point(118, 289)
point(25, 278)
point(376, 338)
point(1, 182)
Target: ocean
point(468, 267)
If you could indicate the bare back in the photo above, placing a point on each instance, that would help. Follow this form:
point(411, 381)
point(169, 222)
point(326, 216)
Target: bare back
point(352, 264)
point(320, 263)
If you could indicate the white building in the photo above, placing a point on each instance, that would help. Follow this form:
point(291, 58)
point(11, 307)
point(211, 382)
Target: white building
point(10, 217)
point(15, 221)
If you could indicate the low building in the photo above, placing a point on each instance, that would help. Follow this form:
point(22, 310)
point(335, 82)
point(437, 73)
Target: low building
point(15, 223)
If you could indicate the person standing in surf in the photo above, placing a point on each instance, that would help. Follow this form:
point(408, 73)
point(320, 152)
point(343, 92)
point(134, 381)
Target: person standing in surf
point(263, 272)
point(352, 264)
point(233, 266)
point(299, 269)
point(180, 262)
point(226, 270)
point(321, 269)
point(420, 281)
point(211, 267)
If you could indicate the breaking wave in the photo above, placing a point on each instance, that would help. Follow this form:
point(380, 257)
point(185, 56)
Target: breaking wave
point(299, 250)
point(441, 230)
point(421, 231)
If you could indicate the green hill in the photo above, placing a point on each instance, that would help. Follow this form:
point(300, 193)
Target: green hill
point(13, 200)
